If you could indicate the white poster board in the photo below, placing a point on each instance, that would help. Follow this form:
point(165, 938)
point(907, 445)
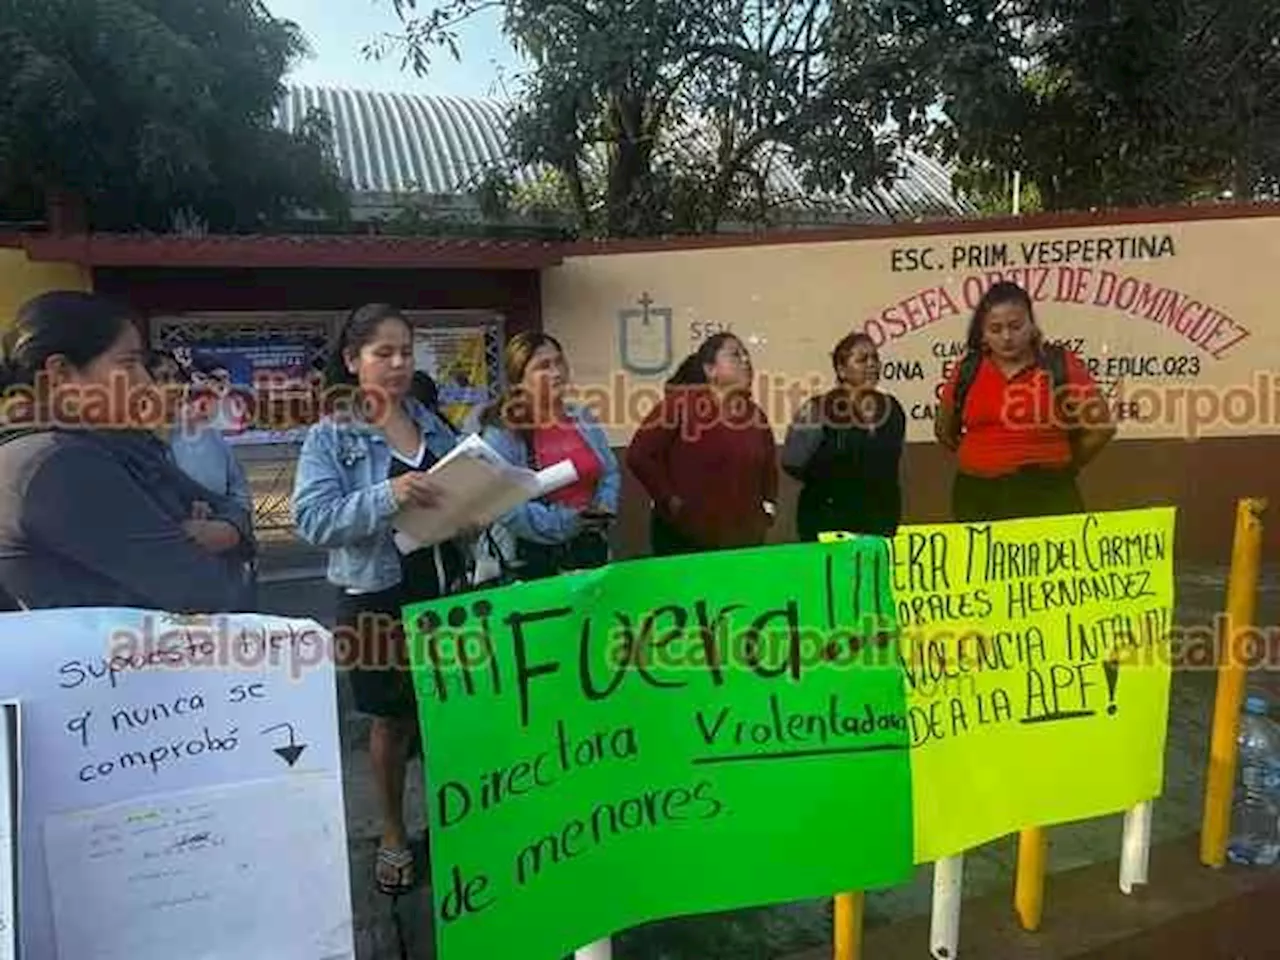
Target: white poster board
point(10, 753)
point(181, 787)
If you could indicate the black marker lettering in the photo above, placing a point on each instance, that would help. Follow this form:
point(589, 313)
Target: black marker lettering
point(524, 671)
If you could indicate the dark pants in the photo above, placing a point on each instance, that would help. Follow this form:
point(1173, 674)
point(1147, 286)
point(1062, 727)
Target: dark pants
point(374, 653)
point(538, 561)
point(1031, 492)
point(666, 541)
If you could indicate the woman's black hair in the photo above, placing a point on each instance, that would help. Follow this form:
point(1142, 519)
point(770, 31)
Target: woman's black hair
point(693, 368)
point(156, 357)
point(78, 325)
point(357, 330)
point(997, 295)
point(846, 345)
point(425, 390)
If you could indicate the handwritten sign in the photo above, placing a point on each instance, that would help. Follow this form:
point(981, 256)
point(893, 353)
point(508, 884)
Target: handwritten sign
point(658, 738)
point(1036, 655)
point(206, 750)
point(9, 819)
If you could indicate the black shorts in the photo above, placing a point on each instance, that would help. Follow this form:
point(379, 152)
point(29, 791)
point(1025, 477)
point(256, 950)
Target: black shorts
point(371, 641)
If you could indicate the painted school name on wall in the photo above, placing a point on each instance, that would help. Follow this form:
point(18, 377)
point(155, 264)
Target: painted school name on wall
point(1203, 325)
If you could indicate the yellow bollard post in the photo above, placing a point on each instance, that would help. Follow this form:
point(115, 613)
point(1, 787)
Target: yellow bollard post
point(1242, 602)
point(1028, 890)
point(848, 925)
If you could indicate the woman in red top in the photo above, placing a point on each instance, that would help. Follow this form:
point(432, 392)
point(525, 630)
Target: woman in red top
point(1019, 445)
point(534, 425)
point(707, 456)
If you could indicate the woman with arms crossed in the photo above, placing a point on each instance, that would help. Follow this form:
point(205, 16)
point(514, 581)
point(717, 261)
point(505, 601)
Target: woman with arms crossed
point(93, 513)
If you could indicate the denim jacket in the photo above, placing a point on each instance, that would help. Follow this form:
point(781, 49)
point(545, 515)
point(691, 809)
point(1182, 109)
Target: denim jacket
point(342, 498)
point(539, 520)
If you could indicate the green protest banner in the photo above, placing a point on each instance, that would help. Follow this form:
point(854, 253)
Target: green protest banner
point(659, 738)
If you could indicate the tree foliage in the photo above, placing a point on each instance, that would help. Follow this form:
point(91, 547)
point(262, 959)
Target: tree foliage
point(663, 114)
point(669, 115)
point(1130, 102)
point(157, 111)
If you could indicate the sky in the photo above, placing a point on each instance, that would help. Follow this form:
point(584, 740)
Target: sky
point(337, 29)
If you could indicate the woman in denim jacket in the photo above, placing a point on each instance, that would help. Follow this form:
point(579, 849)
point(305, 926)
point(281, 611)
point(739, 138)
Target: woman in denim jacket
point(533, 426)
point(354, 474)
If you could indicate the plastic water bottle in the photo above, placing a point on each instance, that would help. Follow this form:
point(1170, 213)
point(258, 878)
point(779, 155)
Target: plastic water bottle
point(1255, 816)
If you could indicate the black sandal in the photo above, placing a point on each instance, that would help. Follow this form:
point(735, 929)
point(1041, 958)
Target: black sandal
point(400, 861)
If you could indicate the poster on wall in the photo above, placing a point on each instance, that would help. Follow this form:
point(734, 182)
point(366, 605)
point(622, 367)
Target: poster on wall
point(1168, 317)
point(457, 359)
point(243, 387)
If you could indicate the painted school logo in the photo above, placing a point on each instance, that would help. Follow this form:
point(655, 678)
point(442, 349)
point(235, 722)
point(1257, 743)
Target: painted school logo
point(645, 337)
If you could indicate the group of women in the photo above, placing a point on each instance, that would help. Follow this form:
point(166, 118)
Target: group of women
point(114, 520)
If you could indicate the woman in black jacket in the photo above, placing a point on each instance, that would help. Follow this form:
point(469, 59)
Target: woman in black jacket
point(845, 447)
point(93, 511)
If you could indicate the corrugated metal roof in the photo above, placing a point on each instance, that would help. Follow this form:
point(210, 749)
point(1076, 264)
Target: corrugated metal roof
point(387, 143)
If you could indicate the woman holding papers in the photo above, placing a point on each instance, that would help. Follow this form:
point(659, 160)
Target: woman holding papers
point(534, 427)
point(706, 455)
point(355, 474)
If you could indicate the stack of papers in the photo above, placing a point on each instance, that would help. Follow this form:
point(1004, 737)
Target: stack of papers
point(477, 486)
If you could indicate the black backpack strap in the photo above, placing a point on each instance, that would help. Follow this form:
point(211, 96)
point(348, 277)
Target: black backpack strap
point(964, 380)
point(1055, 359)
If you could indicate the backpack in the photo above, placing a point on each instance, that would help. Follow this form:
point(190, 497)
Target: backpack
point(1054, 359)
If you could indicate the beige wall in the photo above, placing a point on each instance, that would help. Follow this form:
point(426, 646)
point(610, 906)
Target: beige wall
point(21, 279)
point(1176, 317)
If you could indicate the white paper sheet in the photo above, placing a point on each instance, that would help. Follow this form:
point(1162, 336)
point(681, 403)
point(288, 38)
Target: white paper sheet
point(224, 873)
point(477, 487)
point(8, 831)
point(135, 707)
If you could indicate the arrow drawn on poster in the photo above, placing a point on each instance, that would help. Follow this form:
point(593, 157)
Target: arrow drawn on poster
point(293, 751)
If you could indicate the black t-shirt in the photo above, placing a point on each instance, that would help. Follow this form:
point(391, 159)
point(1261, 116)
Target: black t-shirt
point(851, 483)
point(426, 572)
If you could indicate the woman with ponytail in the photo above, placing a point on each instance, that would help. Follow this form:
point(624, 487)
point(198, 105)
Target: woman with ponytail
point(356, 472)
point(93, 513)
point(706, 455)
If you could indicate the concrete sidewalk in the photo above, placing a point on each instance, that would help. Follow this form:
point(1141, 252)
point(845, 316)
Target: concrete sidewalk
point(778, 931)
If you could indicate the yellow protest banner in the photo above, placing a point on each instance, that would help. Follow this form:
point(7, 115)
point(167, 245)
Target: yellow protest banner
point(1036, 654)
point(1037, 661)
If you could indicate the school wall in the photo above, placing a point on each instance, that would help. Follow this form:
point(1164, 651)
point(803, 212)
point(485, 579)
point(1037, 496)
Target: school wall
point(178, 290)
point(21, 279)
point(1172, 309)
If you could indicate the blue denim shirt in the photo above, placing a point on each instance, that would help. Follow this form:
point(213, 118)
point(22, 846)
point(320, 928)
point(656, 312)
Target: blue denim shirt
point(342, 498)
point(204, 455)
point(538, 520)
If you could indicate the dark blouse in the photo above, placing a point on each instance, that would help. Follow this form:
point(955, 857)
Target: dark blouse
point(94, 519)
point(849, 466)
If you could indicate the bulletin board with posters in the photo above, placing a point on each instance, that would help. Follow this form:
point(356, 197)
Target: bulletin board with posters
point(254, 374)
point(462, 353)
